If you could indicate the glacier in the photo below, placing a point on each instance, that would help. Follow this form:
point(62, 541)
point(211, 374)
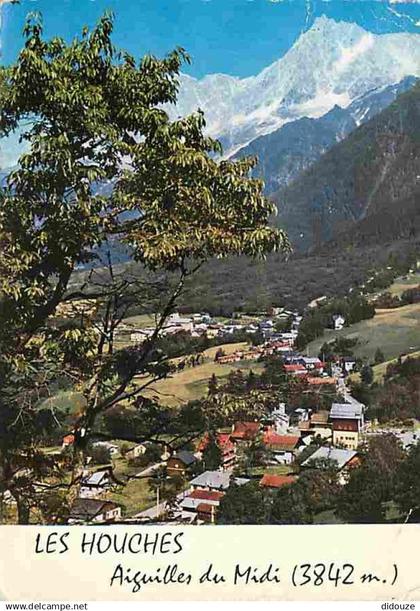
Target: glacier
point(331, 64)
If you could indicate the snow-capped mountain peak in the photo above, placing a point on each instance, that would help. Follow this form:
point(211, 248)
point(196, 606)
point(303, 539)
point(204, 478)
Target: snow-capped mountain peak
point(332, 63)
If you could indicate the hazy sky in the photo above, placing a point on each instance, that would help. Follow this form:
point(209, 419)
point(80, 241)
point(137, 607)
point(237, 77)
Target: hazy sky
point(238, 37)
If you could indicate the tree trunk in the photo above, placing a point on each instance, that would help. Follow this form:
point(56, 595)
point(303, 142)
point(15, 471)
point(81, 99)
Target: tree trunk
point(23, 510)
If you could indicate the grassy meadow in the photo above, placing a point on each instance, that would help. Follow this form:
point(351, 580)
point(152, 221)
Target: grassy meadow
point(395, 331)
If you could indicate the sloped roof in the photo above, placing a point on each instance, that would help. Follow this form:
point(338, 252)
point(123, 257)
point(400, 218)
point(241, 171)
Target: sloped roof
point(270, 480)
point(98, 478)
point(320, 417)
point(206, 495)
point(338, 455)
point(186, 457)
point(245, 430)
point(346, 410)
point(311, 360)
point(87, 509)
point(218, 480)
point(285, 442)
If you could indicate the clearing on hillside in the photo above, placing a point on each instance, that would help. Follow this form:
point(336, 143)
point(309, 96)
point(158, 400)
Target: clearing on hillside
point(395, 331)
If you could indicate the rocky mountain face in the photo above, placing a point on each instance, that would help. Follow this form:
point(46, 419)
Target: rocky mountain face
point(285, 153)
point(366, 188)
point(333, 63)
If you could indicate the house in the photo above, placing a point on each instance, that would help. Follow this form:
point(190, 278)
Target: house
point(283, 447)
point(279, 346)
point(347, 422)
point(345, 460)
point(96, 484)
point(295, 369)
point(317, 425)
point(245, 431)
point(180, 463)
point(226, 446)
point(270, 480)
point(193, 504)
point(176, 323)
point(320, 423)
point(93, 510)
point(215, 480)
point(348, 363)
point(338, 321)
point(136, 451)
point(312, 363)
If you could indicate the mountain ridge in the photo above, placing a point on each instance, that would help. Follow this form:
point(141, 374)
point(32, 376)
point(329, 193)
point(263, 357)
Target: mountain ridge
point(370, 176)
point(331, 63)
point(285, 153)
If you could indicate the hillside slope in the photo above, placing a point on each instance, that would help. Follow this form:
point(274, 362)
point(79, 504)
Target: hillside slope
point(366, 188)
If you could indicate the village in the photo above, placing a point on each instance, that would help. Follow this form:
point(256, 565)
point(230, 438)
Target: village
point(333, 435)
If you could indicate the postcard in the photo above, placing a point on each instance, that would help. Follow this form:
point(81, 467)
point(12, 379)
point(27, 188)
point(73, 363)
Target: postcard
point(209, 300)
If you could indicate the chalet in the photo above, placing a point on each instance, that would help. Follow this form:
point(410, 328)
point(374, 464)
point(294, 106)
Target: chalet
point(193, 504)
point(136, 451)
point(280, 346)
point(319, 422)
point(347, 422)
point(270, 480)
point(86, 510)
point(313, 428)
point(245, 431)
point(312, 363)
point(180, 463)
point(96, 484)
point(296, 369)
point(176, 323)
point(215, 480)
point(226, 446)
point(345, 460)
point(283, 447)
